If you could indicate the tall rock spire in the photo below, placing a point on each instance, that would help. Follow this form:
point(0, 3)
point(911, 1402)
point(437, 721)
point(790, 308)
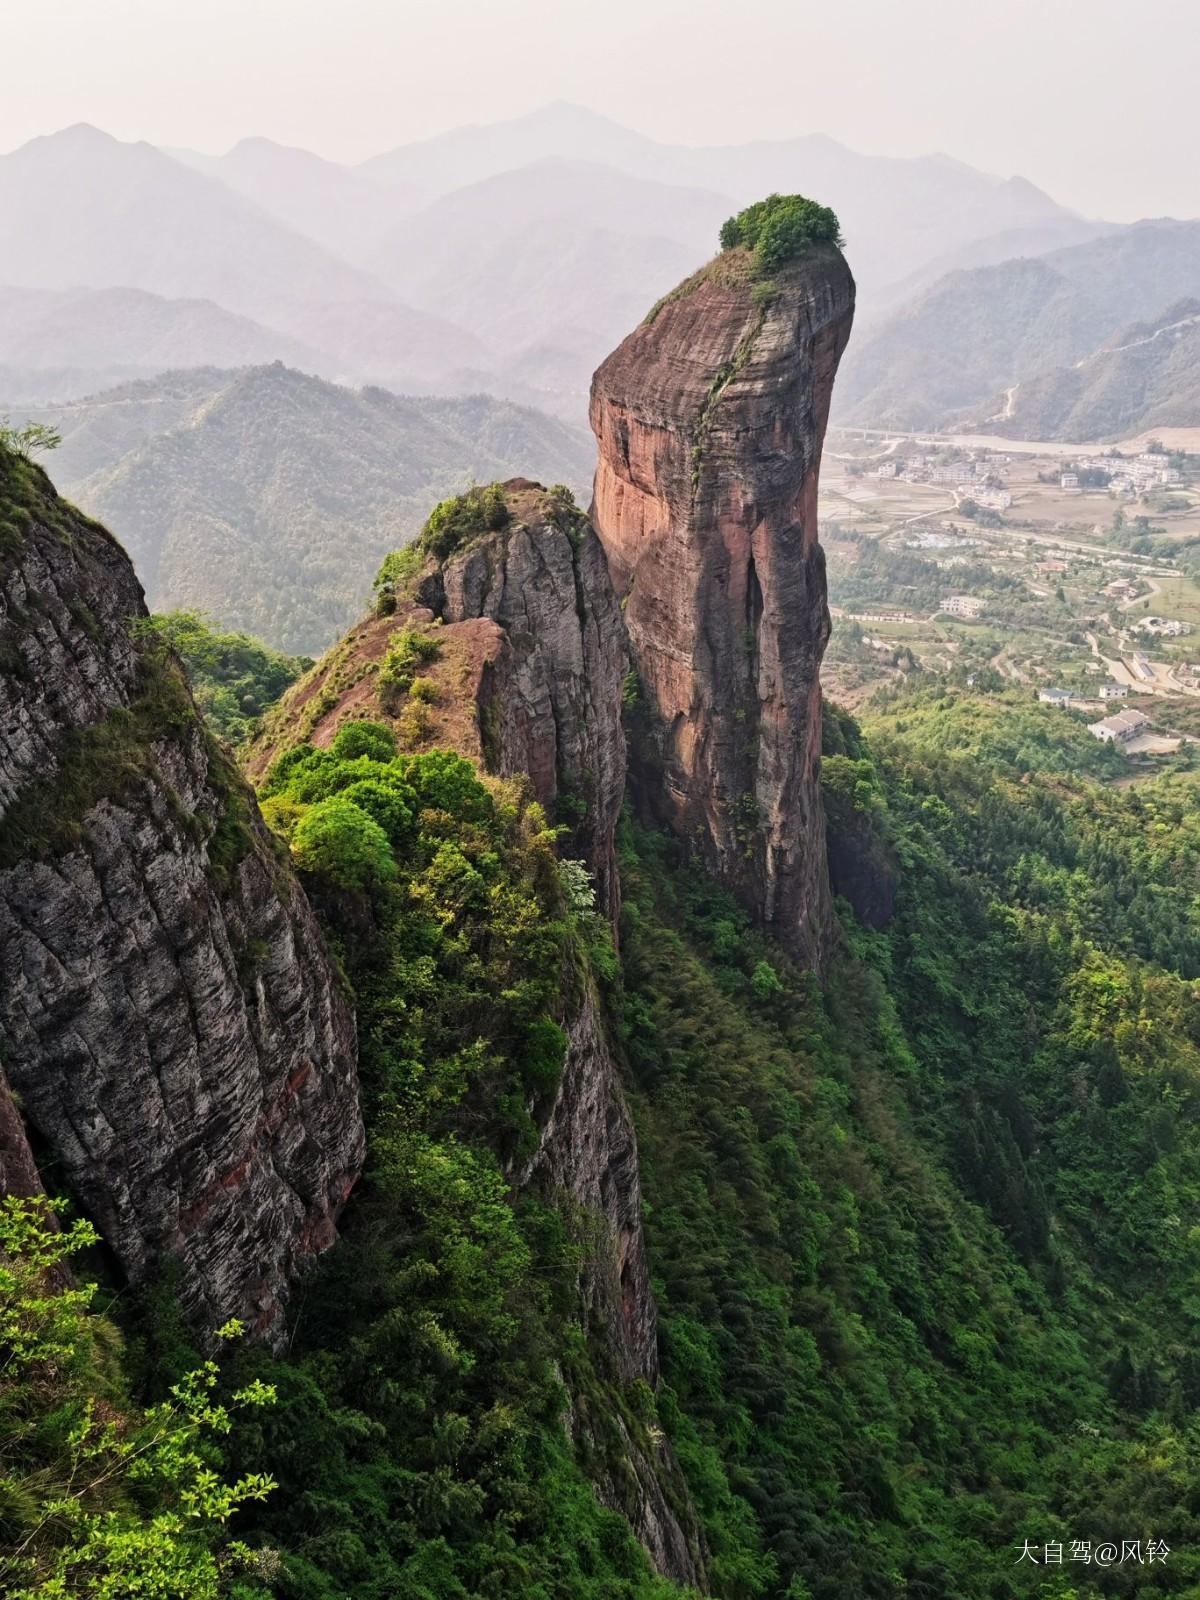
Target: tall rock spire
point(710, 419)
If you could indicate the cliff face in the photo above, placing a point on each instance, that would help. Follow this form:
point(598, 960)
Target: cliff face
point(549, 699)
point(168, 1013)
point(525, 678)
point(18, 1169)
point(709, 420)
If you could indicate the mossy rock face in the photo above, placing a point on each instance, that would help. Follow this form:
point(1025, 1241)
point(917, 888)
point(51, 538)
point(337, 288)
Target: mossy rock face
point(733, 266)
point(105, 761)
point(29, 499)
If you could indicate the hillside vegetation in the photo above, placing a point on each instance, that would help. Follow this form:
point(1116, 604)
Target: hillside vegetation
point(1147, 377)
point(234, 678)
point(923, 1238)
point(267, 498)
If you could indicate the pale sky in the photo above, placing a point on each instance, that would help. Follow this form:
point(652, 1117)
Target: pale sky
point(1092, 99)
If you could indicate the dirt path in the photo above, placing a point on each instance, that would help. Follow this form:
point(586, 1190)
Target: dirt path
point(1006, 667)
point(1155, 588)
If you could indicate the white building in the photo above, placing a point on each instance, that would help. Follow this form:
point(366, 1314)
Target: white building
point(963, 605)
point(1120, 729)
point(993, 499)
point(1114, 691)
point(1162, 627)
point(1069, 482)
point(956, 472)
point(1055, 697)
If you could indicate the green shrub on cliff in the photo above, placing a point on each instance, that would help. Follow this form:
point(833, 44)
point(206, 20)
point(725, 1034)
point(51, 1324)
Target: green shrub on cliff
point(780, 228)
point(96, 1498)
point(341, 839)
point(408, 649)
point(455, 522)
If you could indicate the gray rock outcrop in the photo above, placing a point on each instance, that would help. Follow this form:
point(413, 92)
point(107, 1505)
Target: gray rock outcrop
point(169, 1015)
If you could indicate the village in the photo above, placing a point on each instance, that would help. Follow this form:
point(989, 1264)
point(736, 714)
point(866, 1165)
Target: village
point(1069, 570)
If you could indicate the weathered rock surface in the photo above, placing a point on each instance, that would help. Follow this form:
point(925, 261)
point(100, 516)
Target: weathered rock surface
point(710, 419)
point(588, 1151)
point(168, 1012)
point(549, 701)
point(532, 655)
point(527, 682)
point(18, 1169)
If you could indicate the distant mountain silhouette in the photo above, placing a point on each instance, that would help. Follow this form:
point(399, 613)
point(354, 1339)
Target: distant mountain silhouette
point(508, 257)
point(897, 212)
point(953, 354)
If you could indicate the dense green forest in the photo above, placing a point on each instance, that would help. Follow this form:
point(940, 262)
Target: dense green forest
point(233, 676)
point(924, 1233)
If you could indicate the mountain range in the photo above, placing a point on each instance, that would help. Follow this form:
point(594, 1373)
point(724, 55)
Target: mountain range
point(507, 257)
point(268, 497)
point(897, 212)
point(1024, 346)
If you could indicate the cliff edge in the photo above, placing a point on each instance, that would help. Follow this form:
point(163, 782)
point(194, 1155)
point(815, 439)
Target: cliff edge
point(169, 1017)
point(709, 420)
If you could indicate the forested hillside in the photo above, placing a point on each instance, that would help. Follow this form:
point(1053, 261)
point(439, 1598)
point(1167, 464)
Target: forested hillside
point(1145, 377)
point(267, 497)
point(949, 354)
point(922, 1236)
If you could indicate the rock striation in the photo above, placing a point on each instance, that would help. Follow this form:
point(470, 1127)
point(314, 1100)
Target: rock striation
point(549, 698)
point(709, 421)
point(169, 1016)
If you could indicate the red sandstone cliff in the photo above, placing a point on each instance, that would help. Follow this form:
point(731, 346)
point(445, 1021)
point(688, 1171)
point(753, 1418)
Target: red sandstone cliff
point(710, 419)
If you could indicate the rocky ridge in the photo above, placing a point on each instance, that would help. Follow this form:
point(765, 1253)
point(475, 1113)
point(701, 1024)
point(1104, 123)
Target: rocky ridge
point(169, 1016)
point(525, 674)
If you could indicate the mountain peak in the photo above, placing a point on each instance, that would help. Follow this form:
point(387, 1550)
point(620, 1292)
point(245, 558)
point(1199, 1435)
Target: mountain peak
point(84, 133)
point(256, 141)
point(569, 112)
point(78, 136)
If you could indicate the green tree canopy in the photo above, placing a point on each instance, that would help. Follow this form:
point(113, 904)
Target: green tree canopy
point(780, 228)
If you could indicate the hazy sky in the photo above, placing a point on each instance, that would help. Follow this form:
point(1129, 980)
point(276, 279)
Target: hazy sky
point(1092, 99)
